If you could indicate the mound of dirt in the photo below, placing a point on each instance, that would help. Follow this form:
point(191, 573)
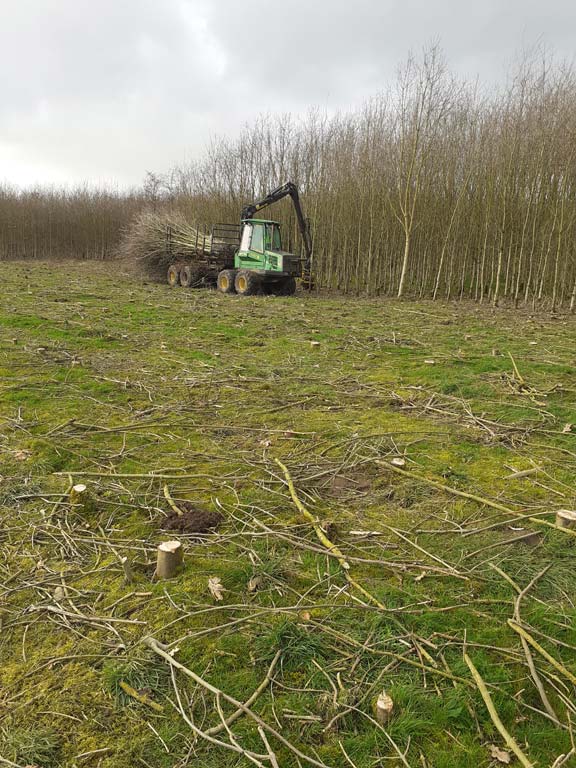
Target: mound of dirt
point(193, 519)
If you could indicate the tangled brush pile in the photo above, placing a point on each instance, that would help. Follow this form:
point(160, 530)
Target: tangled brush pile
point(157, 239)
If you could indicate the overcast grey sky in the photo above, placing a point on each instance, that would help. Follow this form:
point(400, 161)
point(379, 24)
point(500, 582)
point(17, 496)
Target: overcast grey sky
point(103, 90)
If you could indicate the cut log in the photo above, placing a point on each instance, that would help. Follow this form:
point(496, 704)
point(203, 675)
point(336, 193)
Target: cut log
point(566, 518)
point(170, 557)
point(384, 707)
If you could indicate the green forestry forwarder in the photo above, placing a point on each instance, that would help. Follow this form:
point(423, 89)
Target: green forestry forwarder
point(247, 259)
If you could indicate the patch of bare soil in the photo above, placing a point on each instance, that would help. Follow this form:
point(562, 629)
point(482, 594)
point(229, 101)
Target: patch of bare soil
point(341, 486)
point(192, 519)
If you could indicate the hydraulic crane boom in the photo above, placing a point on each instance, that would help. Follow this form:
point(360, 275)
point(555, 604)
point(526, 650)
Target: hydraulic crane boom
point(289, 189)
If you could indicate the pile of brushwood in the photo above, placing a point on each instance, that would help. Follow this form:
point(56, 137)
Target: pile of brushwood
point(155, 240)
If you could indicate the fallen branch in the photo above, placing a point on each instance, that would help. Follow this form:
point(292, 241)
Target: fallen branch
point(330, 546)
point(569, 531)
point(447, 488)
point(556, 664)
point(531, 666)
point(4, 761)
point(171, 501)
point(508, 738)
point(233, 745)
point(142, 698)
point(135, 475)
point(248, 703)
point(155, 646)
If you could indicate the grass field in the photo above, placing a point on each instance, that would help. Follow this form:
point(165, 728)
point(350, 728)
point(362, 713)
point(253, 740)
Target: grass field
point(137, 390)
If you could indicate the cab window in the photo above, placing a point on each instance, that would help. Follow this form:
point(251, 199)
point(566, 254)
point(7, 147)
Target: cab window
point(273, 241)
point(257, 243)
point(246, 235)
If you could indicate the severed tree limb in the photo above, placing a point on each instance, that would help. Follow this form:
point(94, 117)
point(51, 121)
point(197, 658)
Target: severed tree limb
point(450, 568)
point(447, 488)
point(171, 501)
point(142, 698)
point(310, 517)
point(563, 759)
point(330, 546)
point(4, 761)
point(523, 473)
point(517, 373)
point(155, 646)
point(511, 742)
point(199, 732)
point(535, 676)
point(556, 664)
point(248, 703)
point(471, 497)
point(250, 755)
point(136, 475)
point(569, 531)
point(273, 759)
point(527, 652)
point(378, 725)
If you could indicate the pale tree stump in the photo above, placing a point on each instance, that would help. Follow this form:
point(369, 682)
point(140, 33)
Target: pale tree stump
point(79, 497)
point(127, 568)
point(566, 518)
point(169, 559)
point(384, 707)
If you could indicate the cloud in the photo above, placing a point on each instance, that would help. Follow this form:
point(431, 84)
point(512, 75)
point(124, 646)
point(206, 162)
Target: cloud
point(107, 90)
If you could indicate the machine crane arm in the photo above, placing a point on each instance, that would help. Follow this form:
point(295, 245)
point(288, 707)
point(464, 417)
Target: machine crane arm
point(285, 190)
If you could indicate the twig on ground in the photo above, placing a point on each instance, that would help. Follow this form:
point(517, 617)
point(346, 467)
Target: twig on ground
point(155, 646)
point(248, 703)
point(508, 738)
point(556, 664)
point(325, 540)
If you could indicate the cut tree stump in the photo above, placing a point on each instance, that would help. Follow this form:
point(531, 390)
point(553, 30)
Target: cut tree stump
point(79, 496)
point(127, 568)
point(566, 518)
point(384, 707)
point(170, 558)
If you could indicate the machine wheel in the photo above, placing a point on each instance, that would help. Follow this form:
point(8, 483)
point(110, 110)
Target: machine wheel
point(287, 287)
point(190, 277)
point(173, 275)
point(225, 281)
point(247, 283)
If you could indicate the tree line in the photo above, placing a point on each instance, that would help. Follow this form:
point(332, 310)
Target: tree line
point(433, 188)
point(84, 222)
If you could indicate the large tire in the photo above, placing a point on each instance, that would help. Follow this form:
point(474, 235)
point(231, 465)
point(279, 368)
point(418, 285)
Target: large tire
point(225, 281)
point(247, 283)
point(287, 287)
point(173, 275)
point(190, 277)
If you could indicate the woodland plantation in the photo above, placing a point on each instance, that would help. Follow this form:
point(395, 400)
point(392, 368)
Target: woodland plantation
point(436, 188)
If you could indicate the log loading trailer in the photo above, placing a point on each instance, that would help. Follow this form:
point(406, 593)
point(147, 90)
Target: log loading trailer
point(246, 258)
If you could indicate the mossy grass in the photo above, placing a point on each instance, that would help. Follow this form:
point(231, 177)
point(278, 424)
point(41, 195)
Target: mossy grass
point(31, 746)
point(127, 380)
